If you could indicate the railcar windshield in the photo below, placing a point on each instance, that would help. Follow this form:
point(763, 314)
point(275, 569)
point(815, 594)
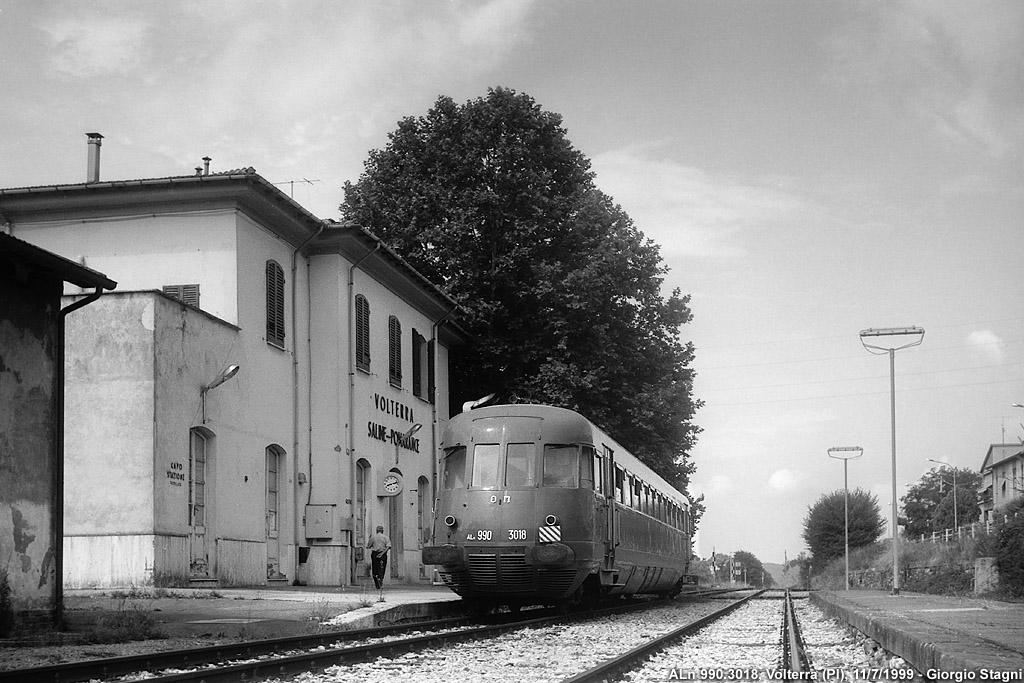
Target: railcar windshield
point(454, 468)
point(486, 458)
point(561, 465)
point(519, 464)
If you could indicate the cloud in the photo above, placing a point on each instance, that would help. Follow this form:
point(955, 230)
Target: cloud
point(785, 481)
point(85, 46)
point(687, 210)
point(950, 63)
point(987, 344)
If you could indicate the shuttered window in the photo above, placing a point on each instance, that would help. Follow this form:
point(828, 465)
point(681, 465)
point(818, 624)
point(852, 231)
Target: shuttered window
point(430, 370)
point(394, 351)
point(419, 365)
point(186, 294)
point(362, 333)
point(275, 304)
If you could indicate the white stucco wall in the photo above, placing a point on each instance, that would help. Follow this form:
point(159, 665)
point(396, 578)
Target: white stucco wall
point(148, 252)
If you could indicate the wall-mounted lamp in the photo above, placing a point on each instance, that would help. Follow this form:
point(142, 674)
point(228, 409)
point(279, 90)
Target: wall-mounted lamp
point(224, 376)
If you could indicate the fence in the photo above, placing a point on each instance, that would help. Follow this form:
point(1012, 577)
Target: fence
point(971, 531)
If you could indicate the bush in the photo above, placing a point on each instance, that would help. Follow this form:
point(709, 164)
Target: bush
point(6, 607)
point(942, 580)
point(1010, 551)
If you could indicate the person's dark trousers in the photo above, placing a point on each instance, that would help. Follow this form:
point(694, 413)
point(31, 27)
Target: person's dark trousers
point(378, 565)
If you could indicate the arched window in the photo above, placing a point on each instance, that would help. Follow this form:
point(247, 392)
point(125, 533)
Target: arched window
point(394, 352)
point(275, 304)
point(362, 333)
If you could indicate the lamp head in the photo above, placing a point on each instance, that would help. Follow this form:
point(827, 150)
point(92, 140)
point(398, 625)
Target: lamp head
point(224, 376)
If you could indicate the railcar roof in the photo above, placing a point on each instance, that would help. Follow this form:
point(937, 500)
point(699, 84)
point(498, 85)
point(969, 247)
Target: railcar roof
point(626, 459)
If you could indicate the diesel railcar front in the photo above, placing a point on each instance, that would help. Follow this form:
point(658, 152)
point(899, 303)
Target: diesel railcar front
point(536, 505)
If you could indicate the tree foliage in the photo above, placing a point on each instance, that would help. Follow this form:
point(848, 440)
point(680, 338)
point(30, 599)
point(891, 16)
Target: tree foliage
point(928, 504)
point(491, 201)
point(825, 525)
point(755, 572)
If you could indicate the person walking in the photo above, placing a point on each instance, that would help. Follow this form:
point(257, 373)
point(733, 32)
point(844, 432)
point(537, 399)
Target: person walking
point(378, 545)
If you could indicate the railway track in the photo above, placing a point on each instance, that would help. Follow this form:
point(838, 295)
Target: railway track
point(697, 639)
point(261, 659)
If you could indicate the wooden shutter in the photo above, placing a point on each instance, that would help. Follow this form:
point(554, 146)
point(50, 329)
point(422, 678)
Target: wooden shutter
point(362, 333)
point(187, 294)
point(275, 304)
point(394, 351)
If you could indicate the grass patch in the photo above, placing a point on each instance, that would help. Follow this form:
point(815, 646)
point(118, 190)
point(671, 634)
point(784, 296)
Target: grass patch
point(130, 621)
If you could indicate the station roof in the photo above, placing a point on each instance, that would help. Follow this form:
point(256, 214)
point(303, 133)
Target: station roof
point(62, 268)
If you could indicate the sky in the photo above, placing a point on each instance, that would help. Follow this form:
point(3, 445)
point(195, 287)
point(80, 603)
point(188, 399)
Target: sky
point(809, 170)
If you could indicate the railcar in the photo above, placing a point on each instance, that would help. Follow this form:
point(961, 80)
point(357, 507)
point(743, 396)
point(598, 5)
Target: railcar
point(537, 505)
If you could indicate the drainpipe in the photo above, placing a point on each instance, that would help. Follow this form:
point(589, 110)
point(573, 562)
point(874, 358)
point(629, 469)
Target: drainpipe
point(296, 532)
point(57, 518)
point(433, 418)
point(352, 399)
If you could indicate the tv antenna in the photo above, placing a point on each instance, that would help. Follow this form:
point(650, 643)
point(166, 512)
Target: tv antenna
point(291, 184)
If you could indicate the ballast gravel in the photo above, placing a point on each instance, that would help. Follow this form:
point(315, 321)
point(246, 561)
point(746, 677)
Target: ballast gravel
point(545, 654)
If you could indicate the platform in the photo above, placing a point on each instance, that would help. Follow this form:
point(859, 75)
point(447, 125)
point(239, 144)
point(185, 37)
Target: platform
point(262, 612)
point(935, 632)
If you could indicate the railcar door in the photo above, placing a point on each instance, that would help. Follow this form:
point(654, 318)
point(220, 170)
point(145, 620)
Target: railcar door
point(611, 526)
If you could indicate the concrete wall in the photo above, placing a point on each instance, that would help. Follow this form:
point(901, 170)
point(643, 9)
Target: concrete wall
point(135, 369)
point(28, 331)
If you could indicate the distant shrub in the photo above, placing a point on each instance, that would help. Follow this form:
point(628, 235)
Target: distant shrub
point(1010, 551)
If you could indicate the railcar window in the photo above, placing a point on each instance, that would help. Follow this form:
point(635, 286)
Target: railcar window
point(637, 494)
point(454, 468)
point(519, 464)
point(560, 465)
point(485, 465)
point(598, 472)
point(620, 477)
point(587, 468)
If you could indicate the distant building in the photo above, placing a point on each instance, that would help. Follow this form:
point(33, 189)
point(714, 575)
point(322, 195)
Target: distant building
point(263, 390)
point(31, 434)
point(1002, 478)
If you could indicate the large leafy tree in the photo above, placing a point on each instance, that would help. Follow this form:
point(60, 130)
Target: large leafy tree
point(490, 200)
point(928, 504)
point(825, 525)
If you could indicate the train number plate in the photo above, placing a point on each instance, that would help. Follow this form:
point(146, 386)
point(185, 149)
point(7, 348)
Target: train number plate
point(517, 534)
point(480, 535)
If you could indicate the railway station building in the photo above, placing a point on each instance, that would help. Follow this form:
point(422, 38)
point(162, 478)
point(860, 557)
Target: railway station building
point(1002, 479)
point(261, 391)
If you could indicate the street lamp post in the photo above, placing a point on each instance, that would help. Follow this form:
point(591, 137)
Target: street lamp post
point(956, 519)
point(846, 454)
point(916, 335)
